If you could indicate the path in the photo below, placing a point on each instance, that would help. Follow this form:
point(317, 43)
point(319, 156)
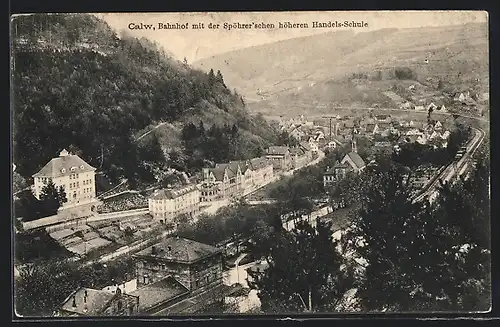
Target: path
point(148, 132)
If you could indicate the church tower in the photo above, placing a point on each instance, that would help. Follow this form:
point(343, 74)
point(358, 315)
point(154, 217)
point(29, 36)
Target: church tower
point(354, 145)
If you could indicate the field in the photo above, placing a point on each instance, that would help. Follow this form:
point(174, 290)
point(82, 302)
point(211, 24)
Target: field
point(105, 236)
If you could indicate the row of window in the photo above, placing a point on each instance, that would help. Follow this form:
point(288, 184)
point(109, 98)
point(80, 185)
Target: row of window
point(87, 190)
point(73, 176)
point(74, 184)
point(44, 179)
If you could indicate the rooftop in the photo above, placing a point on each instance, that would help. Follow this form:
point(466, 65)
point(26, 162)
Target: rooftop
point(179, 249)
point(87, 301)
point(159, 292)
point(277, 150)
point(356, 158)
point(173, 193)
point(63, 165)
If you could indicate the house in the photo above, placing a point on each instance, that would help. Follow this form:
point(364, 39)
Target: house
point(371, 129)
point(438, 126)
point(221, 181)
point(297, 133)
point(445, 135)
point(431, 106)
point(383, 129)
point(411, 87)
point(334, 174)
point(383, 118)
point(313, 144)
point(262, 171)
point(422, 139)
point(307, 149)
point(166, 204)
point(435, 134)
point(174, 276)
point(76, 177)
point(280, 157)
point(419, 107)
point(88, 302)
point(299, 157)
point(178, 275)
point(443, 108)
point(407, 105)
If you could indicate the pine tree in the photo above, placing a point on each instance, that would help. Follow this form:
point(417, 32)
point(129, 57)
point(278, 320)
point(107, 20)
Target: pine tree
point(52, 198)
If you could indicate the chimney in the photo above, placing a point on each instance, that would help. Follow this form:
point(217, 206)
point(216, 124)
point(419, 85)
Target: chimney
point(74, 302)
point(63, 153)
point(153, 249)
point(85, 297)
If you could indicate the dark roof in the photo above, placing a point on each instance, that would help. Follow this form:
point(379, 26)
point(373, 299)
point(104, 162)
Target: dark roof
point(370, 127)
point(95, 302)
point(180, 249)
point(259, 163)
point(159, 292)
point(62, 165)
point(173, 193)
point(277, 150)
point(382, 117)
point(296, 150)
point(305, 146)
point(358, 161)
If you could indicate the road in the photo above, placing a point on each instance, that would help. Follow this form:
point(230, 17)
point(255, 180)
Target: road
point(455, 169)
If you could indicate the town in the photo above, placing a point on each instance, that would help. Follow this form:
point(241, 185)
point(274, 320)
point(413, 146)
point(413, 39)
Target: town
point(144, 187)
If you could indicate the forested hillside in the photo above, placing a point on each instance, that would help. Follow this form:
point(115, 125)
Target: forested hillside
point(79, 86)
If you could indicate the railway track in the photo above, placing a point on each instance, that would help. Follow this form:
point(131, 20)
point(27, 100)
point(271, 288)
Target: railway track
point(454, 169)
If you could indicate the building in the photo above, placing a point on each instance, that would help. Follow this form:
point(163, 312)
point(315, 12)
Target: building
point(299, 157)
point(223, 180)
point(76, 177)
point(164, 205)
point(383, 118)
point(353, 159)
point(383, 129)
point(334, 174)
point(178, 275)
point(174, 276)
point(280, 157)
point(88, 302)
point(262, 171)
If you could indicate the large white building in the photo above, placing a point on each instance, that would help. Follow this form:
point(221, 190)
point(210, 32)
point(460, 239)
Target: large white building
point(167, 204)
point(76, 177)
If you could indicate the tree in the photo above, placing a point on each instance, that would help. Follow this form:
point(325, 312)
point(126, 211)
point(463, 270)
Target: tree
point(51, 198)
point(301, 263)
point(414, 251)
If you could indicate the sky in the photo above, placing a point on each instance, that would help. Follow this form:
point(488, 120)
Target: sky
point(195, 44)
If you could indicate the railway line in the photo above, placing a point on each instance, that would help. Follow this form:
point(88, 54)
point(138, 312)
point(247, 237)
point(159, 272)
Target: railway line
point(454, 169)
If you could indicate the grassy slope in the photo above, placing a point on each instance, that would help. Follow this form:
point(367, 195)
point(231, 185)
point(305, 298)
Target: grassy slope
point(312, 69)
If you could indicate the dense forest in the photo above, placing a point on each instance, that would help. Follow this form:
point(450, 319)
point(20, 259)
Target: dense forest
point(78, 85)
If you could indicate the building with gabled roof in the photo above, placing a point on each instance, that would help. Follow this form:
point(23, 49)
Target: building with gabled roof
point(166, 204)
point(76, 177)
point(89, 302)
point(280, 157)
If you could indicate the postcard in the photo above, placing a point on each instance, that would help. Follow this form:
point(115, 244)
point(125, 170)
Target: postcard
point(250, 163)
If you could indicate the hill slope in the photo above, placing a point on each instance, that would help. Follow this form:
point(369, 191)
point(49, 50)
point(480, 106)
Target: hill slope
point(289, 69)
point(77, 85)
